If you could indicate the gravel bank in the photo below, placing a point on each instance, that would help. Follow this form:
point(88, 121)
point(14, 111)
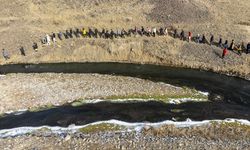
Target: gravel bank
point(120, 141)
point(23, 91)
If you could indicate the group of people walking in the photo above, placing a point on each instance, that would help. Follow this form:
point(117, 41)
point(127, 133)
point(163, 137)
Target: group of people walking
point(142, 31)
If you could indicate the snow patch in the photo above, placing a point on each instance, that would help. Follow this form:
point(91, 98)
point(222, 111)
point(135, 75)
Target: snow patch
point(130, 126)
point(184, 100)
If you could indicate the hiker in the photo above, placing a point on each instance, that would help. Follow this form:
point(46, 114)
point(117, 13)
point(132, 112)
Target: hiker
point(197, 39)
point(142, 30)
point(166, 31)
point(66, 34)
point(243, 48)
point(84, 32)
point(232, 45)
point(226, 44)
point(71, 33)
point(239, 49)
point(248, 48)
point(112, 33)
point(106, 34)
point(59, 35)
point(22, 50)
point(149, 31)
point(135, 30)
point(161, 31)
point(53, 37)
point(90, 33)
point(77, 33)
point(43, 40)
point(154, 30)
point(203, 41)
point(47, 39)
point(35, 46)
point(175, 33)
point(224, 53)
point(212, 39)
point(96, 33)
point(182, 35)
point(123, 33)
point(220, 42)
point(189, 36)
point(6, 55)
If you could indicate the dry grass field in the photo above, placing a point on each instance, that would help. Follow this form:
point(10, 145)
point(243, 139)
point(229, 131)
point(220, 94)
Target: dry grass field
point(24, 21)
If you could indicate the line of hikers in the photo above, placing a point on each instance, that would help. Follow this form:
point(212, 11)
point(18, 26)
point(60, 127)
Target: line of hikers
point(122, 33)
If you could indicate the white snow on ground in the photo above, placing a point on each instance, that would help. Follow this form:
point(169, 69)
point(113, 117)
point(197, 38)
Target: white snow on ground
point(204, 93)
point(130, 126)
point(19, 112)
point(184, 100)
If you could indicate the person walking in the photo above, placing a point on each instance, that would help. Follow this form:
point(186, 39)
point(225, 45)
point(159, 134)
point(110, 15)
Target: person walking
point(203, 39)
point(226, 44)
point(35, 46)
point(22, 50)
point(60, 35)
point(189, 36)
point(232, 46)
point(212, 39)
point(182, 35)
point(220, 42)
point(53, 37)
point(6, 55)
point(154, 30)
point(175, 33)
point(48, 39)
point(166, 31)
point(248, 48)
point(224, 53)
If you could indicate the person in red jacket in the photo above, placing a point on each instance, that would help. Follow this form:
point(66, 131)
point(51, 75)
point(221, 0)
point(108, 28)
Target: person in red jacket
point(189, 36)
point(224, 53)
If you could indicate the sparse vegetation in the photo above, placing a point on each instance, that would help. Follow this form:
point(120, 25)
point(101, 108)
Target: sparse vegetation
point(103, 127)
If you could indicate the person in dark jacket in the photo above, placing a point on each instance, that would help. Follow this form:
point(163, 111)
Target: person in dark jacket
point(212, 40)
point(22, 50)
point(248, 48)
point(203, 41)
point(182, 35)
point(142, 30)
point(175, 33)
point(220, 42)
point(35, 46)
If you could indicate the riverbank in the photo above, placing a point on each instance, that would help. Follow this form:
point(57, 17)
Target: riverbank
point(33, 20)
point(214, 135)
point(40, 90)
point(165, 51)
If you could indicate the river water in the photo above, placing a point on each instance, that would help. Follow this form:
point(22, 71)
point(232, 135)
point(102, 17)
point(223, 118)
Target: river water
point(229, 96)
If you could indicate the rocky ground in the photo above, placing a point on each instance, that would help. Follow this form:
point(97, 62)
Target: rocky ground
point(120, 141)
point(24, 91)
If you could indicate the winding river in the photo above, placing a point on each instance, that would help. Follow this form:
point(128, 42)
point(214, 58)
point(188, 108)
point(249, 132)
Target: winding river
point(229, 96)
